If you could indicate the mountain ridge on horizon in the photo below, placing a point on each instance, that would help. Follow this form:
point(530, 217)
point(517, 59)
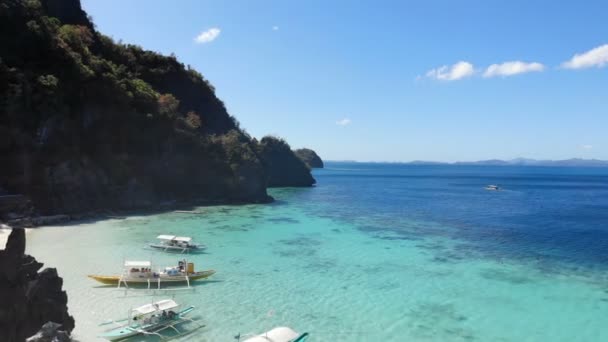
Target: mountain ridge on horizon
point(573, 162)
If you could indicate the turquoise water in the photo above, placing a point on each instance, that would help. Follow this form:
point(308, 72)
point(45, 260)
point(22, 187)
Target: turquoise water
point(373, 253)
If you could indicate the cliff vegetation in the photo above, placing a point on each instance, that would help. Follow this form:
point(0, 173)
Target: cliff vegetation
point(284, 167)
point(87, 122)
point(310, 158)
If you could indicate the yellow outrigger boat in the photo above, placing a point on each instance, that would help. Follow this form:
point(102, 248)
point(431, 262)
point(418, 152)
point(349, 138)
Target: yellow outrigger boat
point(140, 273)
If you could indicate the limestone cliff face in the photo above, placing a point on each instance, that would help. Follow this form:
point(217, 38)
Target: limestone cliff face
point(28, 298)
point(310, 158)
point(87, 123)
point(284, 167)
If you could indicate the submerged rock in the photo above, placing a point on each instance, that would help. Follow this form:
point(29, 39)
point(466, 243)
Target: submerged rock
point(310, 158)
point(29, 299)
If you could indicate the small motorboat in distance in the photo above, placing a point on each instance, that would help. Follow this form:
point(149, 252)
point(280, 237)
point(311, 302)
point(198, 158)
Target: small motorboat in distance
point(492, 187)
point(141, 273)
point(279, 334)
point(150, 319)
point(172, 243)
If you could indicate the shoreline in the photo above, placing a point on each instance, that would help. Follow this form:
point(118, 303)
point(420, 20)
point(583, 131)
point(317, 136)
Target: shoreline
point(34, 221)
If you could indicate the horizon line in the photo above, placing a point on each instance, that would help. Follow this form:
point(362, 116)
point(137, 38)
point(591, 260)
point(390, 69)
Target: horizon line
point(521, 160)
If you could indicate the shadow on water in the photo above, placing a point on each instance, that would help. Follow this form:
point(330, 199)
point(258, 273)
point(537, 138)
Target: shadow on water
point(435, 321)
point(510, 276)
point(283, 220)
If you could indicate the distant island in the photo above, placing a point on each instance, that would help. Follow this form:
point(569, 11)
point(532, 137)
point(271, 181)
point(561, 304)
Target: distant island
point(573, 162)
point(541, 162)
point(89, 124)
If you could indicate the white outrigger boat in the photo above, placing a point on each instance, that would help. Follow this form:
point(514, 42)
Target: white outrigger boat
point(141, 273)
point(279, 334)
point(150, 319)
point(493, 187)
point(172, 243)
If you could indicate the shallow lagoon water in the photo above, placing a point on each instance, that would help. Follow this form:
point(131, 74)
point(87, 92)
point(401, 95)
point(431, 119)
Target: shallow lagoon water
point(373, 253)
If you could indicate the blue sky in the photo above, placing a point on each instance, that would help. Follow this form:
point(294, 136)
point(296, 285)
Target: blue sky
point(364, 80)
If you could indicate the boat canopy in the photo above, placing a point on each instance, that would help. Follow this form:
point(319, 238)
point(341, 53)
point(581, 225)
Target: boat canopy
point(174, 238)
point(166, 304)
point(137, 264)
point(279, 334)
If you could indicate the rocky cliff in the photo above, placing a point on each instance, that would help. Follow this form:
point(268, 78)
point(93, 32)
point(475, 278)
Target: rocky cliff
point(28, 298)
point(310, 158)
point(283, 166)
point(87, 123)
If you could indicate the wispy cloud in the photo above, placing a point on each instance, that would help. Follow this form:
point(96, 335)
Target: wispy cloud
point(275, 28)
point(597, 57)
point(454, 72)
point(207, 36)
point(512, 68)
point(586, 147)
point(343, 122)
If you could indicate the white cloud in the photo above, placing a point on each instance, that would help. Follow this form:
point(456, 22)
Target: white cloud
point(457, 71)
point(597, 57)
point(512, 68)
point(343, 122)
point(207, 36)
point(275, 28)
point(586, 147)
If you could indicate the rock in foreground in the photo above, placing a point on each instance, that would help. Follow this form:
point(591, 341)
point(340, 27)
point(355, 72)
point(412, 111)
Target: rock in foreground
point(28, 299)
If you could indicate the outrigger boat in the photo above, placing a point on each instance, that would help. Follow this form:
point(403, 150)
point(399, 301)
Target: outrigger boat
point(172, 243)
point(279, 334)
point(492, 187)
point(150, 319)
point(140, 273)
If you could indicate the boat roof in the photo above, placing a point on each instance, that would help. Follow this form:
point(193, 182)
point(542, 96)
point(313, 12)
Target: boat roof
point(138, 264)
point(166, 304)
point(279, 334)
point(174, 238)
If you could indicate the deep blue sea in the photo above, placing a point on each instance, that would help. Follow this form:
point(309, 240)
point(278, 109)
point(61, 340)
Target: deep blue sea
point(544, 214)
point(374, 252)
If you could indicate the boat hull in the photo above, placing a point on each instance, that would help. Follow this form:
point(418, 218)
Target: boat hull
point(114, 279)
point(178, 249)
point(126, 331)
point(120, 334)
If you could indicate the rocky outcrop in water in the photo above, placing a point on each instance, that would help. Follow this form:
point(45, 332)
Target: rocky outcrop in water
point(28, 298)
point(283, 166)
point(310, 158)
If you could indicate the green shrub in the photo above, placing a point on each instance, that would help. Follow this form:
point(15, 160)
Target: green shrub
point(193, 119)
point(168, 105)
point(79, 38)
